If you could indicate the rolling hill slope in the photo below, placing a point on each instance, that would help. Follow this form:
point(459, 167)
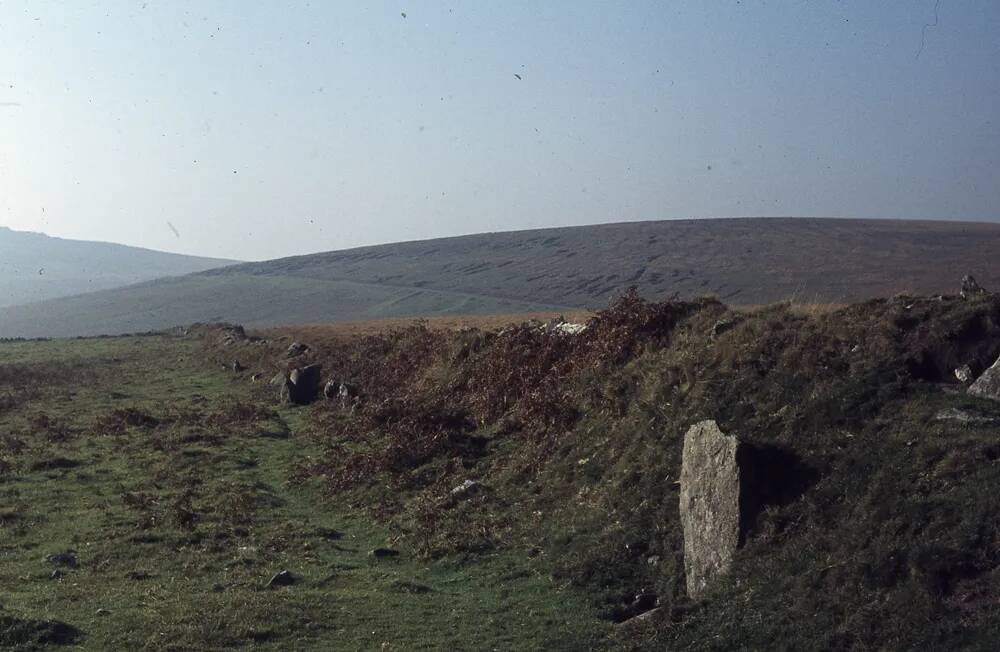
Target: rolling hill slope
point(742, 261)
point(251, 300)
point(34, 266)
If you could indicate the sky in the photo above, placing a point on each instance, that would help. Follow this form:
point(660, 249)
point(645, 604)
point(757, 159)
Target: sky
point(258, 130)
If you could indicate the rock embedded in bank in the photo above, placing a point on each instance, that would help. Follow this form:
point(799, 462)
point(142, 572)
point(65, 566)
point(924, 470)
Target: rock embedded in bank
point(988, 384)
point(709, 503)
point(971, 288)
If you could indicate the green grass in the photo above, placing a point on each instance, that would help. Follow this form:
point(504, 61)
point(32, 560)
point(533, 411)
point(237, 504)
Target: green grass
point(148, 580)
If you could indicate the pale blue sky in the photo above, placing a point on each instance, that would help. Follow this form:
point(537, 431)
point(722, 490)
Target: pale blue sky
point(268, 129)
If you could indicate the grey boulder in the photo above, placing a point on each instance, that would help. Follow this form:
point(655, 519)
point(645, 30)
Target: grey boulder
point(988, 385)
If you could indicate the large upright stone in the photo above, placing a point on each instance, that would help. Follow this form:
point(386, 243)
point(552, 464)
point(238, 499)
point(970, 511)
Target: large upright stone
point(710, 503)
point(305, 384)
point(988, 385)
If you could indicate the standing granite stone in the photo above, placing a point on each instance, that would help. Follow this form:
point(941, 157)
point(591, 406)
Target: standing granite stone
point(305, 384)
point(988, 385)
point(710, 503)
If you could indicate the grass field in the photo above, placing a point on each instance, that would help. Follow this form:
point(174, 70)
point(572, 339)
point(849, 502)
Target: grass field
point(171, 488)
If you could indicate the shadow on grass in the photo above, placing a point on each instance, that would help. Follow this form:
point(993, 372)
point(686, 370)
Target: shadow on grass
point(31, 634)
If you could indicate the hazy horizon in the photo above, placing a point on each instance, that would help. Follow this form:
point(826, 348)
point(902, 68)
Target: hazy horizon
point(251, 133)
point(500, 231)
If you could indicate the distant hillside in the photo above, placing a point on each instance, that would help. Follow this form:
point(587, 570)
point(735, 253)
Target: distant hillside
point(251, 300)
point(742, 261)
point(34, 266)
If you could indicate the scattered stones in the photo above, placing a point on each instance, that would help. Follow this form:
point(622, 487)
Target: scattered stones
point(988, 385)
point(962, 416)
point(67, 559)
point(709, 504)
point(722, 325)
point(964, 374)
point(557, 326)
point(569, 328)
point(384, 553)
point(467, 488)
point(231, 335)
point(297, 349)
point(970, 288)
point(642, 604)
point(346, 393)
point(281, 578)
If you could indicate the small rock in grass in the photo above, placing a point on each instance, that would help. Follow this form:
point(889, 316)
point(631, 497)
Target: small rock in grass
point(282, 578)
point(384, 553)
point(466, 488)
point(67, 559)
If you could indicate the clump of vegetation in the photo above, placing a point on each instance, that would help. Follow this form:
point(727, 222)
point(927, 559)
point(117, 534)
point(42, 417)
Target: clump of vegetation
point(119, 420)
